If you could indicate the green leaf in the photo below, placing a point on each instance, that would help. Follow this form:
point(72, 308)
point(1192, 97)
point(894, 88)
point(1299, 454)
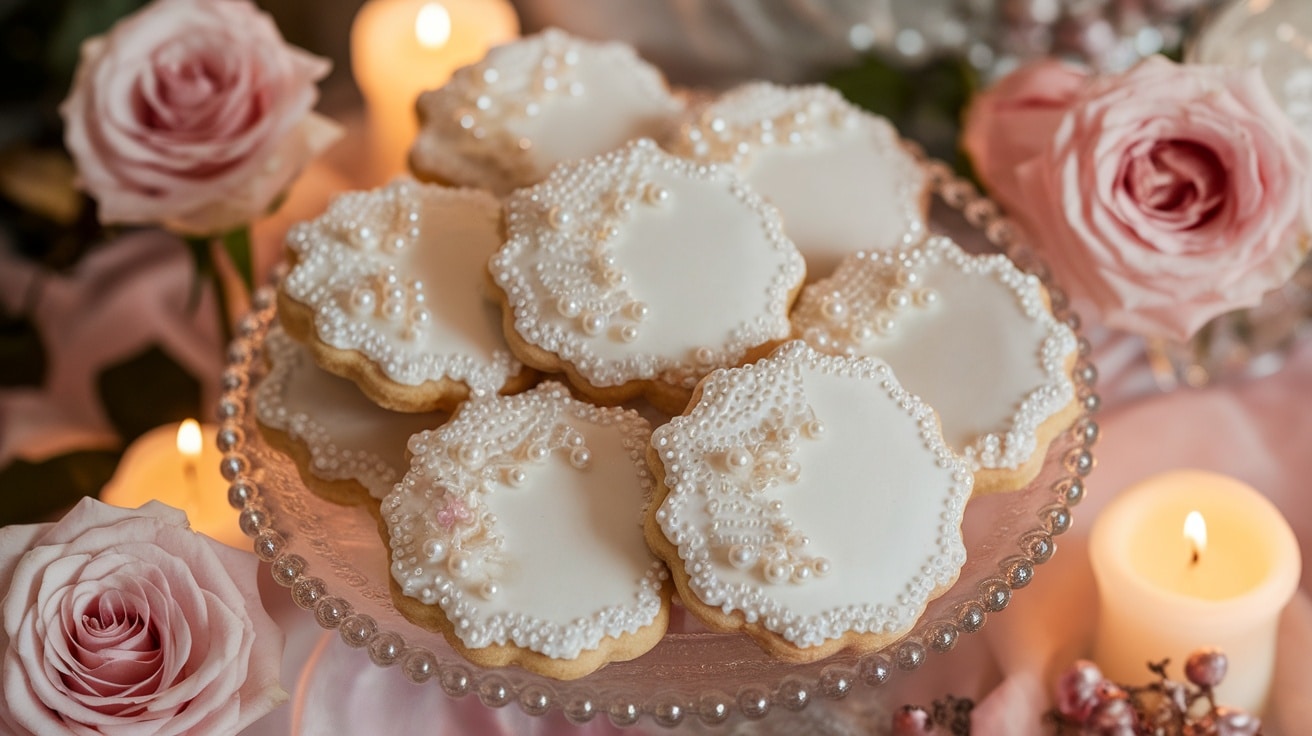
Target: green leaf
point(924, 103)
point(32, 492)
point(237, 244)
point(202, 271)
point(146, 391)
point(83, 19)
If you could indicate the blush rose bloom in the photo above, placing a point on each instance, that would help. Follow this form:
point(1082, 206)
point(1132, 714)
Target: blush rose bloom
point(126, 623)
point(193, 114)
point(1167, 195)
point(1013, 121)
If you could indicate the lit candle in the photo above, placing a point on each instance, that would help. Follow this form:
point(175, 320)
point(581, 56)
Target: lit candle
point(178, 464)
point(1189, 559)
point(400, 48)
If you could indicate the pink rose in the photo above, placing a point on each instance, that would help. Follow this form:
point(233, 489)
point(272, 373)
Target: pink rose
point(1169, 195)
point(1013, 120)
point(126, 622)
point(193, 114)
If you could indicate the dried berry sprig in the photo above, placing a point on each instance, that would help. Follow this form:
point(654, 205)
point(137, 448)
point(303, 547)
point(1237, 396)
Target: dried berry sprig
point(1088, 704)
point(950, 712)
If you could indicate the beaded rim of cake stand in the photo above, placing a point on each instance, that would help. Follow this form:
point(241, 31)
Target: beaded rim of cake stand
point(935, 635)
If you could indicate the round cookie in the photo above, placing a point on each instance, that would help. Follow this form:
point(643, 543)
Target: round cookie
point(506, 121)
point(386, 288)
point(809, 501)
point(839, 175)
point(347, 448)
point(972, 335)
point(517, 534)
point(637, 273)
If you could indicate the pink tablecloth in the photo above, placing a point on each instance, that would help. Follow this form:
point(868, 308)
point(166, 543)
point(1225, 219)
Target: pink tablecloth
point(1257, 431)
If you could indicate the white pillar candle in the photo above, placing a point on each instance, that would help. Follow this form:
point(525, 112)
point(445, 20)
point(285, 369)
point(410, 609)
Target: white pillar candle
point(400, 48)
point(178, 464)
point(1166, 592)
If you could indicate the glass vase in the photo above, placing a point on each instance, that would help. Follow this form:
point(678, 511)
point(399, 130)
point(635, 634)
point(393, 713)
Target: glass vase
point(1246, 343)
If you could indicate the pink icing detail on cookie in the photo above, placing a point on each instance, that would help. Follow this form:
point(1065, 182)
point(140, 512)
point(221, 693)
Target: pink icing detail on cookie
point(520, 518)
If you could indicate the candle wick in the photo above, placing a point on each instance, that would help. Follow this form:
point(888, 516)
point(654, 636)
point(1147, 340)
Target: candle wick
point(193, 481)
point(1194, 561)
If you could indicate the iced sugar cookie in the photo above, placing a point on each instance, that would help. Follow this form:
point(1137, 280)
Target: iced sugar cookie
point(838, 175)
point(517, 533)
point(347, 448)
point(386, 288)
point(637, 272)
point(972, 335)
point(506, 121)
point(810, 501)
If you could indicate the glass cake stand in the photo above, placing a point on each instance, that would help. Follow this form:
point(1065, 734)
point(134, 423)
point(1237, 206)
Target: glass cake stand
point(334, 563)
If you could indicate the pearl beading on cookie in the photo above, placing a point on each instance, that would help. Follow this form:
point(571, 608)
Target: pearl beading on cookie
point(739, 407)
point(758, 116)
point(852, 310)
point(353, 271)
point(866, 302)
point(448, 548)
point(331, 457)
point(475, 111)
point(592, 288)
point(565, 288)
point(755, 530)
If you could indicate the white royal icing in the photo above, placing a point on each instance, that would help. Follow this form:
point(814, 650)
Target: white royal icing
point(507, 120)
point(348, 436)
point(838, 174)
point(396, 274)
point(814, 495)
point(521, 519)
point(637, 265)
point(972, 335)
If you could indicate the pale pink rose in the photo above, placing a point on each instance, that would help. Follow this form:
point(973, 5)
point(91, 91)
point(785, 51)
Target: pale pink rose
point(1011, 122)
point(125, 623)
point(193, 114)
point(1170, 194)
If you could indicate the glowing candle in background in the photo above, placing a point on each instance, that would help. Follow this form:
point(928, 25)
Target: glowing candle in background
point(178, 464)
point(1191, 559)
point(400, 48)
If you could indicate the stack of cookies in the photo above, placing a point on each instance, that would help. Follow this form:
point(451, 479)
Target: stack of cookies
point(614, 346)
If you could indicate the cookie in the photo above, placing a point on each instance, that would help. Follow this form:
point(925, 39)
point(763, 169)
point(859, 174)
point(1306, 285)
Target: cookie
point(809, 501)
point(638, 272)
point(347, 448)
point(386, 289)
point(506, 121)
point(972, 335)
point(517, 533)
point(839, 175)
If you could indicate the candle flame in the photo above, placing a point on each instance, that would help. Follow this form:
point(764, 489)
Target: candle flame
point(433, 26)
point(189, 438)
point(1195, 530)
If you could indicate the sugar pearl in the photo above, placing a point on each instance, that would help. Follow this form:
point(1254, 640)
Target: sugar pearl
point(434, 550)
point(459, 565)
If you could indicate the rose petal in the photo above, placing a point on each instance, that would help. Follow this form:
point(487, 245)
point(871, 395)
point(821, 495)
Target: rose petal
point(1169, 195)
point(136, 626)
point(181, 105)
